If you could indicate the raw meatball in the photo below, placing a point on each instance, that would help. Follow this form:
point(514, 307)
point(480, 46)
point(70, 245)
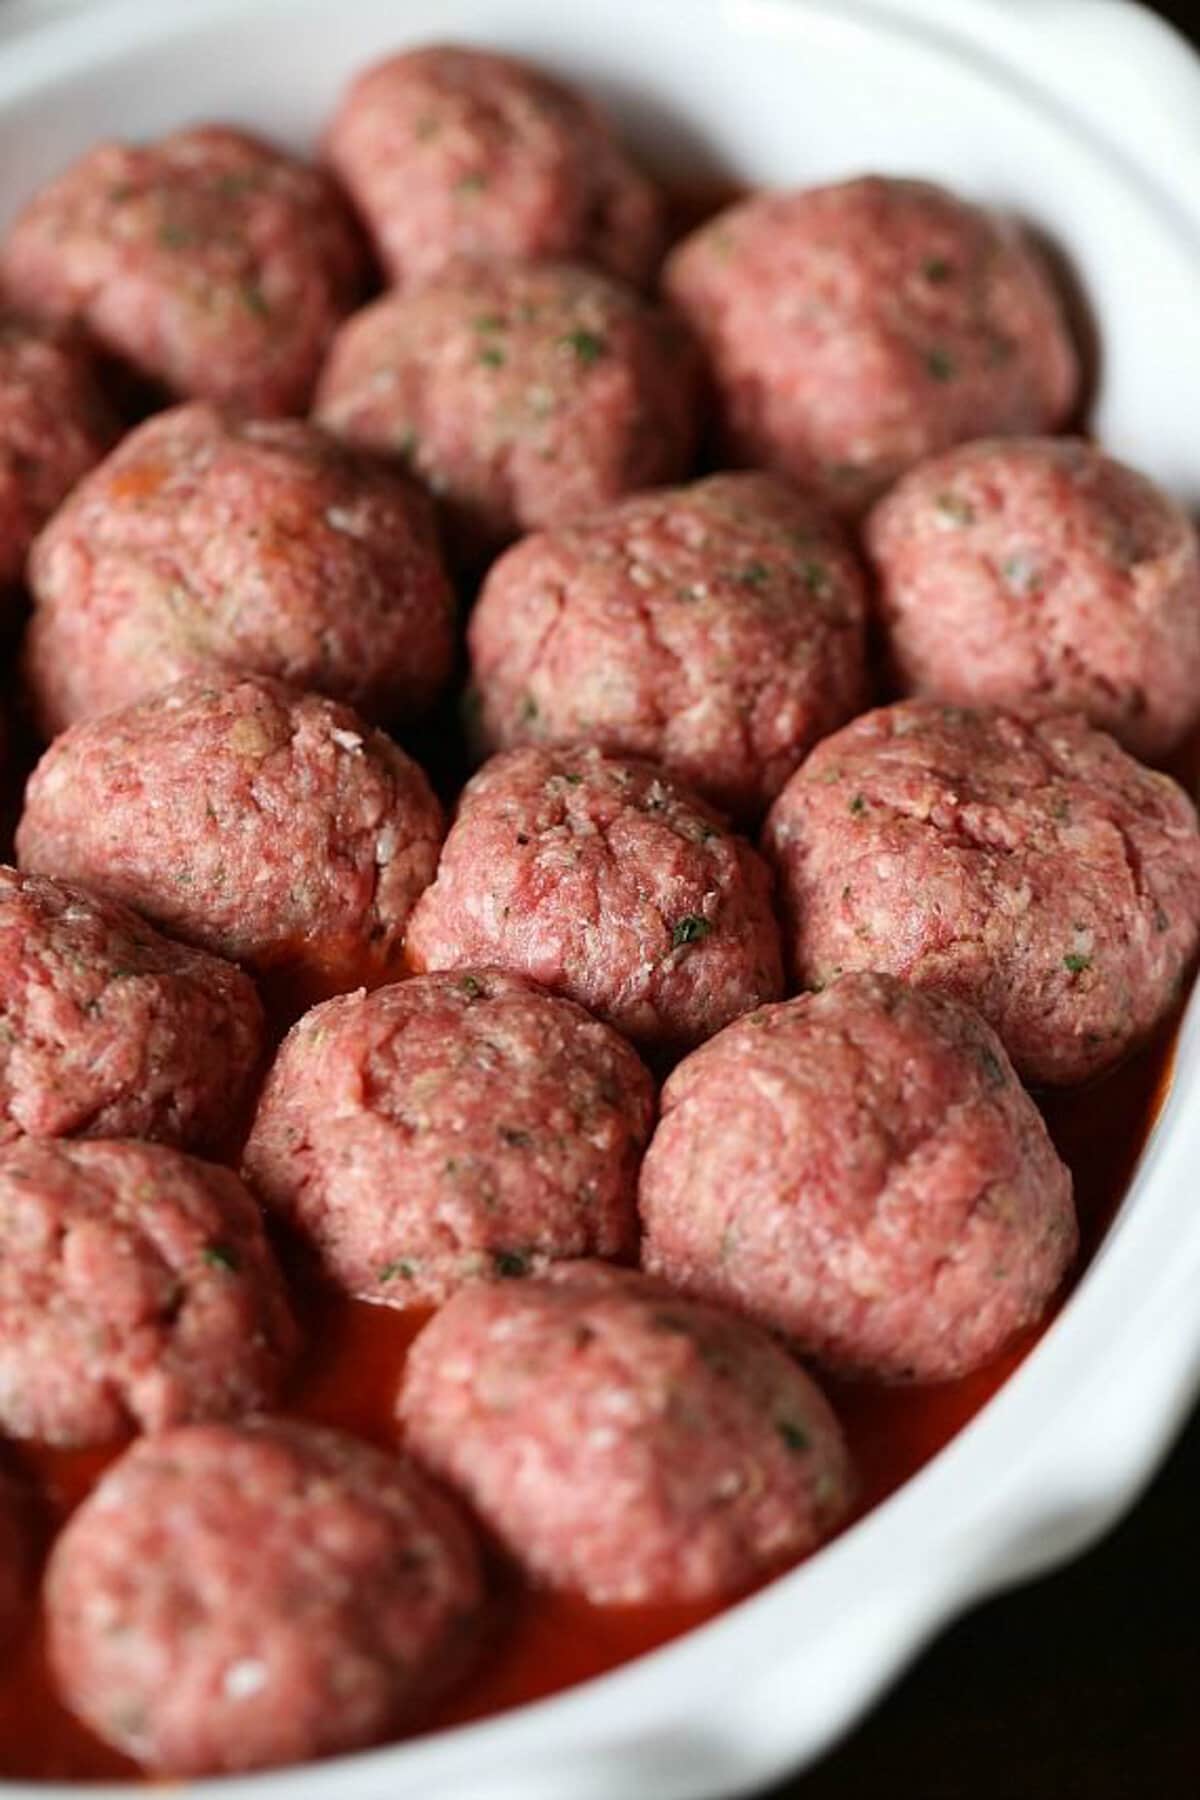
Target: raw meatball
point(54, 424)
point(453, 152)
point(882, 1191)
point(238, 1596)
point(1040, 570)
point(1027, 865)
point(716, 628)
point(522, 395)
point(204, 544)
point(623, 1440)
point(137, 1291)
point(454, 1126)
point(854, 329)
point(108, 1029)
point(209, 261)
point(270, 826)
point(603, 881)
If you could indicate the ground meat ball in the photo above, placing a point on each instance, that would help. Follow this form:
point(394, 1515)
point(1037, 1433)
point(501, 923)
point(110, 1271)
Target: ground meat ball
point(108, 1029)
point(455, 152)
point(603, 881)
point(883, 1192)
point(268, 547)
point(521, 395)
point(854, 329)
point(1029, 866)
point(1040, 570)
point(238, 1596)
point(623, 1440)
point(270, 826)
point(454, 1126)
point(717, 628)
point(209, 261)
point(54, 424)
point(137, 1291)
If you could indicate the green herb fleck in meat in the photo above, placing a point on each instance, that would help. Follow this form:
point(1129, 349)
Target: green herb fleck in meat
point(402, 1267)
point(254, 300)
point(858, 806)
point(529, 709)
point(173, 236)
point(793, 1435)
point(492, 356)
point(518, 1140)
point(816, 577)
point(220, 1256)
point(1077, 962)
point(587, 346)
point(691, 929)
point(511, 1264)
point(957, 510)
point(470, 987)
point(754, 575)
point(236, 182)
point(940, 365)
point(937, 270)
point(474, 183)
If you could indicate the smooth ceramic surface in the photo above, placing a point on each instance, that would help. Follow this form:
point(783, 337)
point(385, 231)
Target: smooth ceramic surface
point(1084, 115)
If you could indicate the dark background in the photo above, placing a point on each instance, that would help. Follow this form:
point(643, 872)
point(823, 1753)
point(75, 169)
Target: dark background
point(1085, 1686)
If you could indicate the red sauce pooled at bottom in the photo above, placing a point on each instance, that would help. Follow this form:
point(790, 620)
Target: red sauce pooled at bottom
point(546, 1642)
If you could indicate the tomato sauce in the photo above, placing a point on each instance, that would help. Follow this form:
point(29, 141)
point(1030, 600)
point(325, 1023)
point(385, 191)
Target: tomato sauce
point(543, 1642)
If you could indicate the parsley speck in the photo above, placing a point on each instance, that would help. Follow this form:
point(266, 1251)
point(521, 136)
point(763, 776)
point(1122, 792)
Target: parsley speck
point(958, 511)
point(510, 1263)
point(858, 806)
point(689, 930)
point(254, 300)
point(1076, 962)
point(793, 1435)
point(587, 345)
point(401, 1267)
point(219, 1256)
point(937, 270)
point(940, 366)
